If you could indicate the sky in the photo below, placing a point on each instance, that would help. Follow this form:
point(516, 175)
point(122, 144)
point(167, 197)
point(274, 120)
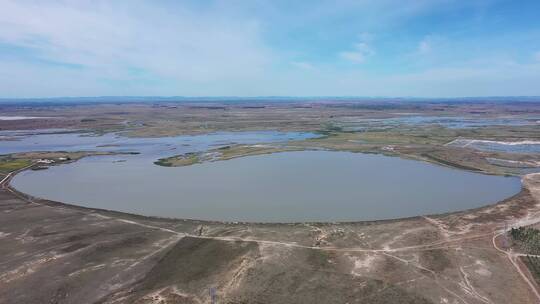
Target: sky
point(394, 48)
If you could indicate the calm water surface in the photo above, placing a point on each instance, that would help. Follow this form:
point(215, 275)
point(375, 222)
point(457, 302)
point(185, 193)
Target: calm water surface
point(452, 122)
point(59, 140)
point(283, 187)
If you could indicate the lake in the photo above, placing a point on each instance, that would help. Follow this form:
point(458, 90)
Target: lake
point(284, 187)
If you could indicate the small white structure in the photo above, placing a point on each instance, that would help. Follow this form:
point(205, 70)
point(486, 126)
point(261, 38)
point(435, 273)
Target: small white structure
point(45, 161)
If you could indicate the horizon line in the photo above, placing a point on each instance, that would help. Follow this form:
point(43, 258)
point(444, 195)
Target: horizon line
point(263, 97)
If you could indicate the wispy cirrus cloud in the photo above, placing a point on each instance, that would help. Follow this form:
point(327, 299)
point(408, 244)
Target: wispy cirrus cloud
point(122, 40)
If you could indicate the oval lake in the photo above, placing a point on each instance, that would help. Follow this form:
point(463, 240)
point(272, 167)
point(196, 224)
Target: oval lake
point(283, 187)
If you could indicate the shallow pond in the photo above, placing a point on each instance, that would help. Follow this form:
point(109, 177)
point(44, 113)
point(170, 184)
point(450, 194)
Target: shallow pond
point(59, 140)
point(524, 146)
point(283, 187)
point(452, 122)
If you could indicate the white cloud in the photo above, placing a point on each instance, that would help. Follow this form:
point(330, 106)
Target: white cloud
point(360, 52)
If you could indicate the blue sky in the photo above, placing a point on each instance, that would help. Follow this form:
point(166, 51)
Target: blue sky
point(423, 48)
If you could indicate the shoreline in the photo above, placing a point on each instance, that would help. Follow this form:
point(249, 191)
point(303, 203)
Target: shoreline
point(5, 183)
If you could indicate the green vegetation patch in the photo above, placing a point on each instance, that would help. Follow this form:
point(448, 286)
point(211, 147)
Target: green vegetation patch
point(527, 239)
point(179, 160)
point(533, 263)
point(8, 164)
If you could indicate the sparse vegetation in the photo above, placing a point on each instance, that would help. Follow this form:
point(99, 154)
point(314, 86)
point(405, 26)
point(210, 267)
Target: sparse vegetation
point(222, 153)
point(330, 129)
